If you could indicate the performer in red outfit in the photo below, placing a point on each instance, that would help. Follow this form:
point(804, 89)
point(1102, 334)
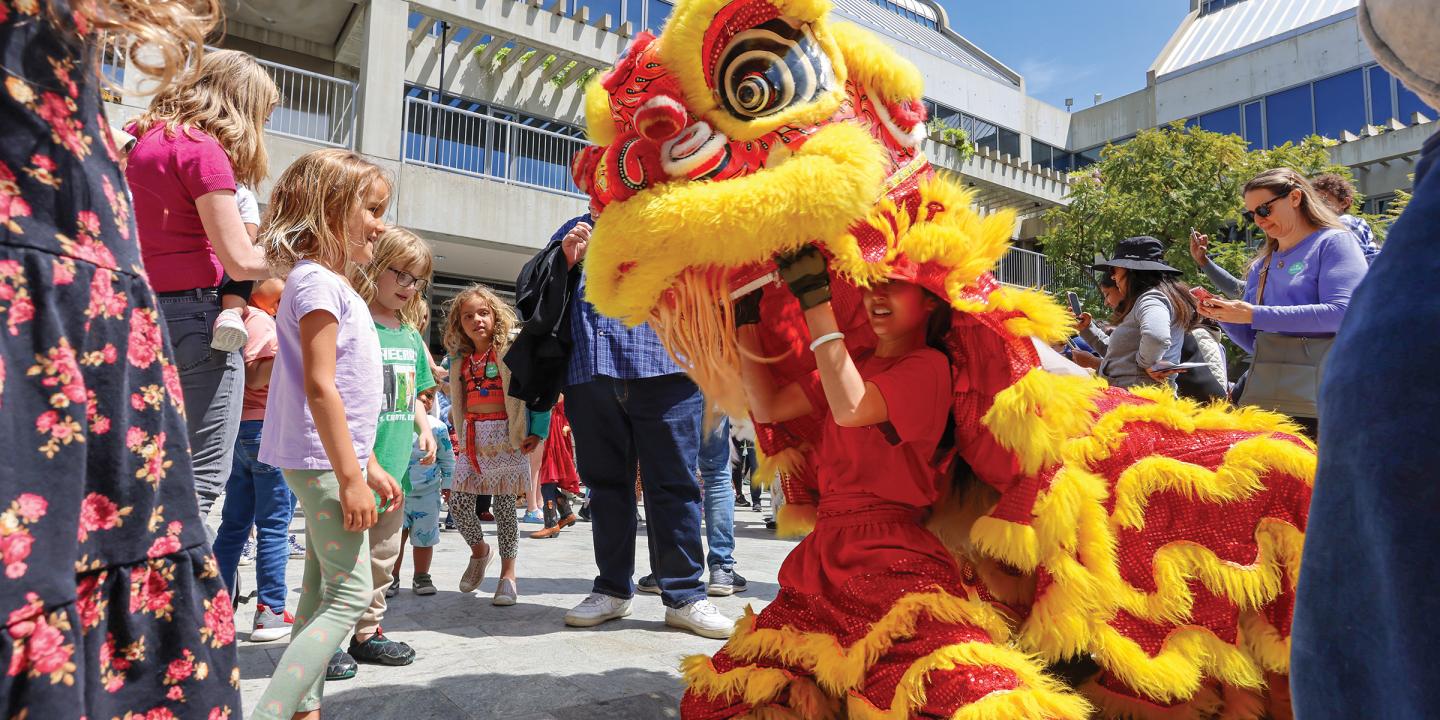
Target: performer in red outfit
point(558, 474)
point(913, 640)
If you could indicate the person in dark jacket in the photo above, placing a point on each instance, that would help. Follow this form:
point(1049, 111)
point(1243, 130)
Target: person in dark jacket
point(1366, 640)
point(539, 359)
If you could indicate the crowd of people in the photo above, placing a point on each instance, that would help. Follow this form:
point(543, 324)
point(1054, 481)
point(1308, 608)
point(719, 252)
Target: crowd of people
point(167, 348)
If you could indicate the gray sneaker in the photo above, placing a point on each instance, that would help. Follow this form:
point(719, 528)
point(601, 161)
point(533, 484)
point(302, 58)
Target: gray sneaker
point(648, 584)
point(423, 585)
point(724, 583)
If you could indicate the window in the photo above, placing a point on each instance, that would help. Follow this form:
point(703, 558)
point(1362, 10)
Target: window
point(600, 8)
point(1289, 116)
point(1010, 143)
point(1340, 104)
point(1087, 157)
point(1255, 124)
point(906, 13)
point(1410, 103)
point(1225, 121)
point(1211, 6)
point(1041, 154)
point(656, 13)
point(1382, 95)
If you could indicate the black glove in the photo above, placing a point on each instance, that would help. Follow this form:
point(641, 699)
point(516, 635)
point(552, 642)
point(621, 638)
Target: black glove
point(747, 309)
point(807, 273)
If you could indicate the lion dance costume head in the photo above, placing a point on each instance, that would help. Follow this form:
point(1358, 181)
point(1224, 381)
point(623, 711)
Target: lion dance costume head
point(1155, 538)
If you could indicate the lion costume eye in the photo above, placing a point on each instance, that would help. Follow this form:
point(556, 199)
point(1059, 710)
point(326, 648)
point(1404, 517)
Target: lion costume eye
point(770, 68)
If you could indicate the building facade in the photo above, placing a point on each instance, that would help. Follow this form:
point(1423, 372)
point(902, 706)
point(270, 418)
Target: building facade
point(1271, 72)
point(475, 108)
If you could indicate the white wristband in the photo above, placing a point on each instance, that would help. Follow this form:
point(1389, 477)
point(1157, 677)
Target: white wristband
point(817, 342)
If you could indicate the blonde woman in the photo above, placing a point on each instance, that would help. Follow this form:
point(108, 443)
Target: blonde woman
point(199, 141)
point(110, 600)
point(496, 432)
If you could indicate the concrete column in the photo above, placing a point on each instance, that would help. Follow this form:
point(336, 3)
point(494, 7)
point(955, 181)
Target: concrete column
point(382, 78)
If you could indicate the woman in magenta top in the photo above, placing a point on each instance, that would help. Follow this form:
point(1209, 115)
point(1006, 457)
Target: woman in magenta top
point(195, 143)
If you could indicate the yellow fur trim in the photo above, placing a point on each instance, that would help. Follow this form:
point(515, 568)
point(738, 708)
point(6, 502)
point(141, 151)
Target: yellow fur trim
point(1036, 416)
point(794, 520)
point(840, 671)
point(877, 66)
point(1042, 316)
point(1038, 698)
point(768, 468)
point(1011, 543)
point(1076, 541)
point(682, 48)
point(957, 237)
point(599, 125)
point(816, 193)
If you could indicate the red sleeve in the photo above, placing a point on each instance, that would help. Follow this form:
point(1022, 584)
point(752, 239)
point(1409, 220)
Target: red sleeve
point(917, 394)
point(203, 165)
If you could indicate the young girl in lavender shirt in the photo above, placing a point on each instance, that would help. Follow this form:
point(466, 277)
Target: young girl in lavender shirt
point(325, 397)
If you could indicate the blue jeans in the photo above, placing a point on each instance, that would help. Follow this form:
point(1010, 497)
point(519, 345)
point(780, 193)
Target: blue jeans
point(719, 497)
point(655, 421)
point(256, 494)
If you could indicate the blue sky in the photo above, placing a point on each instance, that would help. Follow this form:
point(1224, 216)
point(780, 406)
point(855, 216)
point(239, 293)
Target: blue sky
point(1071, 48)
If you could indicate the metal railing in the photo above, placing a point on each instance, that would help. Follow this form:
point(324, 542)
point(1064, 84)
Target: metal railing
point(312, 106)
point(466, 142)
point(1024, 268)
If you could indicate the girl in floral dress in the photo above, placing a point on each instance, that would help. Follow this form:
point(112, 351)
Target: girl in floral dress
point(111, 601)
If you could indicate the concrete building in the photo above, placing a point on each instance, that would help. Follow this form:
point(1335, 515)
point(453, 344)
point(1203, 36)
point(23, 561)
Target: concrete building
point(475, 107)
point(1272, 71)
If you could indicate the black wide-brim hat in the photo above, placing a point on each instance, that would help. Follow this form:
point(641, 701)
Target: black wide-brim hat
point(1138, 253)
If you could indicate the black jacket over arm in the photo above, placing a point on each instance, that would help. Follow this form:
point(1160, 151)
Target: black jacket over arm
point(540, 357)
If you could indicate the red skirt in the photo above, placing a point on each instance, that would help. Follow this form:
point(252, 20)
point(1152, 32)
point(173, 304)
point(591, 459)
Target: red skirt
point(872, 620)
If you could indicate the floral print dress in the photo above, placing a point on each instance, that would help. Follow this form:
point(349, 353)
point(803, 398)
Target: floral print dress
point(111, 603)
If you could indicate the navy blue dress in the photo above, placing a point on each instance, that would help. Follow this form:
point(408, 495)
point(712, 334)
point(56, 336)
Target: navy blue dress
point(111, 603)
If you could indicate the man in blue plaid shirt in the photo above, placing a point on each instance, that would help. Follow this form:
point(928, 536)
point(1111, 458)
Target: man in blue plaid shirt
point(628, 401)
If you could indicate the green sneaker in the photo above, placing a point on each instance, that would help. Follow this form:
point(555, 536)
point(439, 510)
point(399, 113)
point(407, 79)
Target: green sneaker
point(381, 650)
point(423, 585)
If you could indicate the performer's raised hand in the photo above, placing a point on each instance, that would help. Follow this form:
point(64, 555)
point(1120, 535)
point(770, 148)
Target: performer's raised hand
point(576, 242)
point(807, 272)
point(747, 309)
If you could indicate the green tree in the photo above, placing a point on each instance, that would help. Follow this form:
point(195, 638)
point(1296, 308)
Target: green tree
point(1163, 183)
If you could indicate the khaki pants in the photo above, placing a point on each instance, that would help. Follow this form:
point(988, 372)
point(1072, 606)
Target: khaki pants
point(384, 539)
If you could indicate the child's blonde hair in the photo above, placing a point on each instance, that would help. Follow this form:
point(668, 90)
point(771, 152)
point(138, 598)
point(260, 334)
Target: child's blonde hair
point(309, 207)
point(457, 343)
point(228, 97)
point(398, 248)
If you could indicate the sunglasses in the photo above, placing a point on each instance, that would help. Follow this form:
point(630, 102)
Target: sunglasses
point(1263, 209)
point(405, 280)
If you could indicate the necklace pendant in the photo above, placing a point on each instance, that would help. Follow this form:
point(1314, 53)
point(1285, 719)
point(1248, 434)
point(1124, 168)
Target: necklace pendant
point(491, 371)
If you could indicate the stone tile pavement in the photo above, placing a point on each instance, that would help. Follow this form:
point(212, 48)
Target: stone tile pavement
point(478, 661)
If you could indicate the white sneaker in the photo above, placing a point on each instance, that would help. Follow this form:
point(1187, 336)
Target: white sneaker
point(702, 618)
point(229, 334)
point(595, 609)
point(270, 625)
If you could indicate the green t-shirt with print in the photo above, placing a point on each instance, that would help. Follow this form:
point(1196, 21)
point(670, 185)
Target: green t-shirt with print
point(406, 374)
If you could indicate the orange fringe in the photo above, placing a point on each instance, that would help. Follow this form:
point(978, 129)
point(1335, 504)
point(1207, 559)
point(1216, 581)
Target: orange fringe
point(695, 322)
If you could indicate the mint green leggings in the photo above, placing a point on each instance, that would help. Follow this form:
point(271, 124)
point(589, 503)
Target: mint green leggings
point(337, 589)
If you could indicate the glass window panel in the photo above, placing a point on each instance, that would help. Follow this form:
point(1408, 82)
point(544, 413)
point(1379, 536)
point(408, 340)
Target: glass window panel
point(634, 10)
point(1225, 121)
point(1087, 157)
point(1288, 116)
point(1255, 125)
point(1340, 104)
point(1010, 142)
point(1382, 96)
point(600, 8)
point(1041, 154)
point(1410, 103)
point(657, 11)
point(1064, 161)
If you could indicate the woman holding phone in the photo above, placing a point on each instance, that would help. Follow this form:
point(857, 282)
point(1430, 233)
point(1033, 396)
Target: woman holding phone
point(1299, 284)
point(1151, 318)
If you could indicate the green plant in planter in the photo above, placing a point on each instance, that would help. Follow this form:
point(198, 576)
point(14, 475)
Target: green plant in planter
point(954, 137)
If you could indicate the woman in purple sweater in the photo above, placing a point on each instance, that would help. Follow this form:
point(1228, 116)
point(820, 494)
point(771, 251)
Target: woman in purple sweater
point(1307, 268)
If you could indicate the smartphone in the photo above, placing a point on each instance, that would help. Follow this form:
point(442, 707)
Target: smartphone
point(1201, 294)
point(1074, 303)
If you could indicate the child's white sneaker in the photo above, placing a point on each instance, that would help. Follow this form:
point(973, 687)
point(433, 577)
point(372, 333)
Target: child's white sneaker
point(595, 609)
point(229, 333)
point(702, 618)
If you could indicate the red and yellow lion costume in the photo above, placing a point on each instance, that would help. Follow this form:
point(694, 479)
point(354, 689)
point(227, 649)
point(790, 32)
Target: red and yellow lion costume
point(1154, 537)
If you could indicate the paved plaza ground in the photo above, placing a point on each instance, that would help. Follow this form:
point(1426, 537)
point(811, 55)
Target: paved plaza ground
point(475, 660)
